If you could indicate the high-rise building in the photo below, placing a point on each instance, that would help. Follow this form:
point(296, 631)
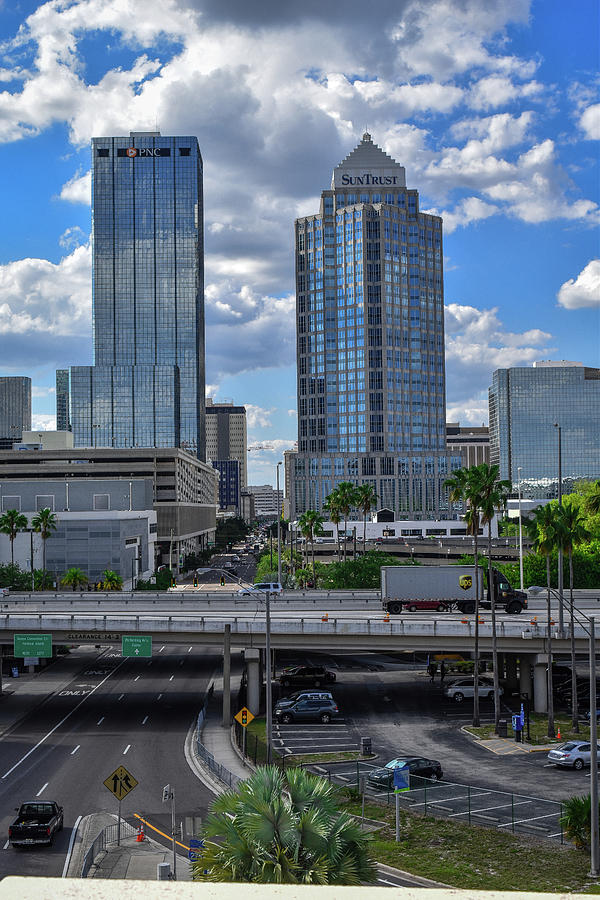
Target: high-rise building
point(472, 442)
point(268, 501)
point(370, 342)
point(15, 409)
point(146, 387)
point(526, 405)
point(226, 435)
point(63, 413)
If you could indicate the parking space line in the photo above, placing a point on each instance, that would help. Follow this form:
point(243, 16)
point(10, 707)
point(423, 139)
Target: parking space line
point(488, 808)
point(553, 815)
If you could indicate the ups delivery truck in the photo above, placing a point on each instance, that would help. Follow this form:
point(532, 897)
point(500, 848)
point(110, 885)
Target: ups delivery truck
point(445, 588)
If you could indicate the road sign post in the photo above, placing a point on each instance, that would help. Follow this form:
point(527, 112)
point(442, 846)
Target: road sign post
point(120, 783)
point(401, 783)
point(244, 717)
point(169, 794)
point(33, 645)
point(136, 645)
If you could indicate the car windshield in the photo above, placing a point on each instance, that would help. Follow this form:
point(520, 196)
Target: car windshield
point(569, 746)
point(394, 763)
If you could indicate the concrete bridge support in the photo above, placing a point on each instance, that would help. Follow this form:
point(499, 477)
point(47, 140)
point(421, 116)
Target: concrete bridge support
point(227, 676)
point(525, 664)
point(540, 683)
point(510, 673)
point(252, 659)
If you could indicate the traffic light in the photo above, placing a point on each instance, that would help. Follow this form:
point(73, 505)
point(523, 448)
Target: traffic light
point(195, 581)
point(222, 581)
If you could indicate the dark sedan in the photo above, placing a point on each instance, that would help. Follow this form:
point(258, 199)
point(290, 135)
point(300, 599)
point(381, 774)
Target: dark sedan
point(416, 765)
point(306, 675)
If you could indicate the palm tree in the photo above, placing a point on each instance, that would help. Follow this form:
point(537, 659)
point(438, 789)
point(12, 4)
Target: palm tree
point(592, 501)
point(465, 485)
point(111, 581)
point(345, 498)
point(572, 531)
point(74, 577)
point(11, 523)
point(576, 820)
point(545, 531)
point(494, 494)
point(365, 499)
point(335, 517)
point(45, 523)
point(311, 526)
point(283, 828)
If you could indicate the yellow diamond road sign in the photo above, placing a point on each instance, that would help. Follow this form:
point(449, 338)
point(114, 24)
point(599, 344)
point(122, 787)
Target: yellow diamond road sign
point(120, 783)
point(244, 716)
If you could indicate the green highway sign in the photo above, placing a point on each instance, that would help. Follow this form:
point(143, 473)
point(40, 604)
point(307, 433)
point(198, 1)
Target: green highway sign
point(33, 645)
point(136, 645)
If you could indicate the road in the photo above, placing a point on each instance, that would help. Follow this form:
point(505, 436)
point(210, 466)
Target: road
point(130, 712)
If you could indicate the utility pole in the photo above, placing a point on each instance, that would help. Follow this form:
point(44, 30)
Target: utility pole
point(169, 794)
point(561, 623)
point(278, 529)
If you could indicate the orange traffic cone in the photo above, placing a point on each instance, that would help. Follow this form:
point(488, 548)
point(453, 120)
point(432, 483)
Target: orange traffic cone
point(558, 735)
point(325, 617)
point(386, 618)
point(140, 835)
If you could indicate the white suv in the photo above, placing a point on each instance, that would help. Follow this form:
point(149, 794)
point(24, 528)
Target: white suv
point(465, 687)
point(273, 587)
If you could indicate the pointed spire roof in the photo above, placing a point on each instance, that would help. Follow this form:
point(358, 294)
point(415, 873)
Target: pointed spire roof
point(371, 165)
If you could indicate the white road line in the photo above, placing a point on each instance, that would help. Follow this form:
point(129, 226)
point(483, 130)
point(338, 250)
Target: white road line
point(70, 850)
point(73, 752)
point(100, 721)
point(171, 678)
point(6, 846)
point(127, 749)
point(137, 678)
point(41, 790)
point(475, 812)
point(190, 650)
point(162, 648)
point(64, 719)
point(121, 697)
point(144, 720)
point(530, 819)
point(159, 696)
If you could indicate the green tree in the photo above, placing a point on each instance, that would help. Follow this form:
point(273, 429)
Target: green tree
point(571, 531)
point(576, 820)
point(365, 499)
point(311, 526)
point(592, 500)
point(345, 498)
point(332, 511)
point(11, 523)
point(44, 522)
point(283, 828)
point(545, 531)
point(465, 485)
point(111, 581)
point(75, 578)
point(494, 494)
point(362, 573)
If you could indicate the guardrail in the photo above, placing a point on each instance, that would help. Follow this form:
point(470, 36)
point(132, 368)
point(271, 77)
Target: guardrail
point(107, 836)
point(205, 755)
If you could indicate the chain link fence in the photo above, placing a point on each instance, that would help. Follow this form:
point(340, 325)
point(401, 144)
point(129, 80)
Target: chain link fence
point(205, 755)
point(107, 836)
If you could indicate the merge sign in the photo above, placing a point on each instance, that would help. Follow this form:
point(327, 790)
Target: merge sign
point(33, 645)
point(136, 645)
point(120, 783)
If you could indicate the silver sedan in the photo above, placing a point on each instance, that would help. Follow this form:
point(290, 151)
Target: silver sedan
point(574, 754)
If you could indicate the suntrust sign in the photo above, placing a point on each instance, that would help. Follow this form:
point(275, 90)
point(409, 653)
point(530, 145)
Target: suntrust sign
point(368, 179)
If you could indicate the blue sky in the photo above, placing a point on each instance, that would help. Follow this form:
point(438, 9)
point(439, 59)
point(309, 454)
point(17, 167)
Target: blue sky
point(494, 112)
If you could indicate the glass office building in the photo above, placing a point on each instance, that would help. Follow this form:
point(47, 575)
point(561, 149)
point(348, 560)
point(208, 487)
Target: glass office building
point(525, 404)
point(63, 414)
point(370, 342)
point(146, 387)
point(15, 409)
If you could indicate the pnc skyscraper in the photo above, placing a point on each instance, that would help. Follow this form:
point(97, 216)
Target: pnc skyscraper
point(370, 342)
point(146, 387)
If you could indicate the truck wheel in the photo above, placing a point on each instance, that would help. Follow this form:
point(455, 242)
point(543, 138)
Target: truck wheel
point(467, 608)
point(318, 682)
point(394, 608)
point(412, 608)
point(441, 607)
point(514, 608)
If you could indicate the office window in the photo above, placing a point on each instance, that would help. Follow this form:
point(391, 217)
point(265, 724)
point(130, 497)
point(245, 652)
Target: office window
point(101, 501)
point(44, 501)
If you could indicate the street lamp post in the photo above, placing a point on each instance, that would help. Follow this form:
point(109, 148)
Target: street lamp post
point(561, 623)
point(594, 842)
point(520, 531)
point(278, 529)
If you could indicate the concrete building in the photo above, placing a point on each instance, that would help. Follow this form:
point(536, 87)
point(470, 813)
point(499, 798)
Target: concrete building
point(472, 442)
point(63, 411)
point(248, 507)
point(15, 409)
point(45, 440)
point(370, 343)
point(183, 494)
point(268, 502)
point(227, 442)
point(146, 387)
point(102, 523)
point(526, 405)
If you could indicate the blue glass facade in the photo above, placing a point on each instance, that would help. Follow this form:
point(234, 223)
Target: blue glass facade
point(524, 405)
point(229, 482)
point(146, 387)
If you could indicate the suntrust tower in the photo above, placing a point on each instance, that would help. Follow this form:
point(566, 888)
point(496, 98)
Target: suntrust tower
point(370, 343)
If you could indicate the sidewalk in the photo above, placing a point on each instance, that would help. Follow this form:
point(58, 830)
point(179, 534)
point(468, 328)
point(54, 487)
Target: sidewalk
point(506, 746)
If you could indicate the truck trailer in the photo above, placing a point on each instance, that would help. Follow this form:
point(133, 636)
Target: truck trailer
point(445, 588)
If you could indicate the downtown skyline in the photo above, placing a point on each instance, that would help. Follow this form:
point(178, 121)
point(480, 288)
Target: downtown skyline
point(497, 136)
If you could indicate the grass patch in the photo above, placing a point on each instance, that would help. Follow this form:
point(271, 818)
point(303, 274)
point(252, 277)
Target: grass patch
point(297, 759)
point(475, 857)
point(538, 727)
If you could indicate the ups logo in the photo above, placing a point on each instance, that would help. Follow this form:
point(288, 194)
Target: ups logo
point(465, 582)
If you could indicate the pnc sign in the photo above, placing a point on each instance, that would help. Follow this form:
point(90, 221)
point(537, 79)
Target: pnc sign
point(132, 152)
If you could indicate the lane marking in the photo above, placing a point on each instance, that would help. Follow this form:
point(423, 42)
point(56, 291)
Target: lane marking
point(158, 831)
point(6, 846)
point(531, 819)
point(70, 850)
point(144, 720)
point(100, 721)
point(41, 790)
point(190, 650)
point(64, 719)
point(171, 678)
point(149, 663)
point(159, 696)
point(137, 678)
point(126, 750)
point(121, 697)
point(73, 752)
point(162, 648)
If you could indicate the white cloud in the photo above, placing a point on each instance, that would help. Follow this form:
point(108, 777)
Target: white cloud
point(469, 210)
point(498, 90)
point(37, 391)
point(72, 237)
point(583, 291)
point(78, 189)
point(43, 422)
point(589, 122)
point(256, 416)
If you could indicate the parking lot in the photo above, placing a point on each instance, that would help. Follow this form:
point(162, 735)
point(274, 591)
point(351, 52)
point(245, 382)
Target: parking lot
point(305, 737)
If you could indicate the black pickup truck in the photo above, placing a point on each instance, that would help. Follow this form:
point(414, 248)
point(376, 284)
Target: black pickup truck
point(36, 823)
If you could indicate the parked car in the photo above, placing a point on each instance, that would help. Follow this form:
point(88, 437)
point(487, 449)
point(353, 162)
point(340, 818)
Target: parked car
point(574, 754)
point(315, 675)
point(462, 688)
point(417, 765)
point(286, 702)
point(36, 823)
point(308, 711)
